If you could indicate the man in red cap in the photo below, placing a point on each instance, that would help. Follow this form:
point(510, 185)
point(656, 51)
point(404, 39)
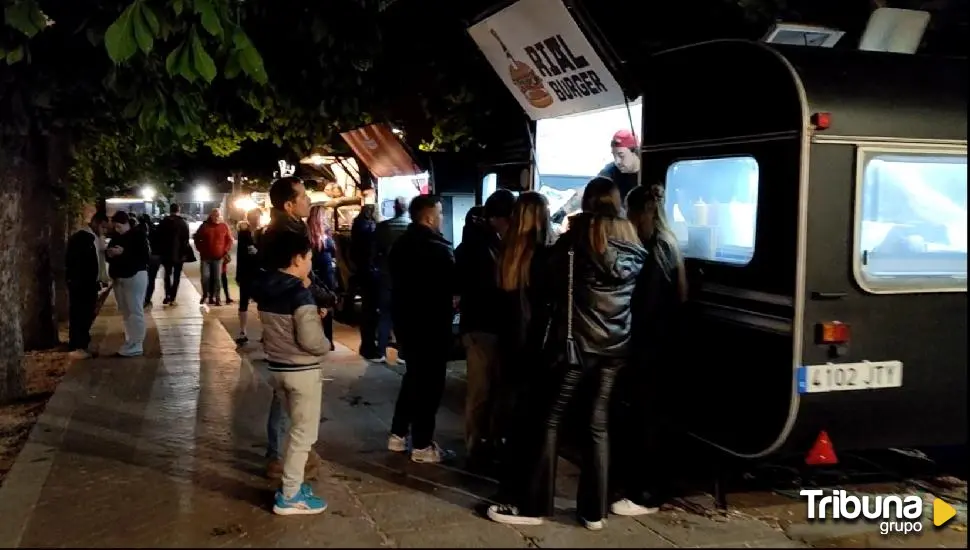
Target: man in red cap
point(625, 168)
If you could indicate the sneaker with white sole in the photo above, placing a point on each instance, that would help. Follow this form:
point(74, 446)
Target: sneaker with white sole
point(303, 503)
point(593, 525)
point(509, 515)
point(432, 454)
point(397, 444)
point(628, 508)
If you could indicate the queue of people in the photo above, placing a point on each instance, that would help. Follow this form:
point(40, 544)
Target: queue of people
point(580, 316)
point(549, 325)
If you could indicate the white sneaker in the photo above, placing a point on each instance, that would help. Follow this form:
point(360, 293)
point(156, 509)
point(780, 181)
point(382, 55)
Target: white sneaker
point(80, 354)
point(594, 525)
point(509, 515)
point(397, 444)
point(627, 507)
point(432, 454)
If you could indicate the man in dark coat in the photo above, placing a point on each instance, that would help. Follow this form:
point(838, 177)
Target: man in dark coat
point(84, 268)
point(170, 243)
point(423, 300)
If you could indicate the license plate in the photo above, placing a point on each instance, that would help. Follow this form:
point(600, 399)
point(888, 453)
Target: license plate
point(867, 375)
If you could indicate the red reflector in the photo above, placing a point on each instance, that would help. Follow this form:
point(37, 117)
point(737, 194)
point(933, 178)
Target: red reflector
point(833, 332)
point(822, 121)
point(822, 452)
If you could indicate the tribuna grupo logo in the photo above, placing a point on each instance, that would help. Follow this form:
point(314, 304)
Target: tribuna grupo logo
point(895, 514)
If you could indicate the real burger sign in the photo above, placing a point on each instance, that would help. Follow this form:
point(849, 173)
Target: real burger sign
point(540, 53)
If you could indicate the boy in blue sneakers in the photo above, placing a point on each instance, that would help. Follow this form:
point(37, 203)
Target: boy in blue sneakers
point(294, 343)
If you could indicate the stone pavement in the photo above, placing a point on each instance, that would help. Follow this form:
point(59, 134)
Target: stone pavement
point(165, 451)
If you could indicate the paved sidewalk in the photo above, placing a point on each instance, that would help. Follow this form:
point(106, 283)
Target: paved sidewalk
point(166, 450)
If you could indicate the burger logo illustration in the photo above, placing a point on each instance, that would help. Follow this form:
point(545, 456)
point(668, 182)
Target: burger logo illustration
point(526, 79)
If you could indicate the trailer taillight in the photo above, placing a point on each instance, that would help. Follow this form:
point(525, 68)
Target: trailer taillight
point(822, 121)
point(833, 332)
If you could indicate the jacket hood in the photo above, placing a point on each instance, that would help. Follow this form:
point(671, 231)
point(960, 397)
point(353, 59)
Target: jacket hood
point(622, 260)
point(274, 285)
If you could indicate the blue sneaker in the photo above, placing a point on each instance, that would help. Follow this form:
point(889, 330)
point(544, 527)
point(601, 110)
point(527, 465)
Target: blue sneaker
point(303, 503)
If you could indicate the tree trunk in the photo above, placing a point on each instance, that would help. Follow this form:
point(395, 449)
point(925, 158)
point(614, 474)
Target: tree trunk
point(38, 207)
point(58, 165)
point(15, 173)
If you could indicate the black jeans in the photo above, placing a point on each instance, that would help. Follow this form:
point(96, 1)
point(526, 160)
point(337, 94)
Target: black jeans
point(533, 487)
point(81, 303)
point(637, 468)
point(153, 266)
point(421, 390)
point(225, 285)
point(173, 275)
point(369, 318)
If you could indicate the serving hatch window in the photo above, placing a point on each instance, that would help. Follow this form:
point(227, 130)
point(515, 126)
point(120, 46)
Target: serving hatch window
point(711, 205)
point(911, 225)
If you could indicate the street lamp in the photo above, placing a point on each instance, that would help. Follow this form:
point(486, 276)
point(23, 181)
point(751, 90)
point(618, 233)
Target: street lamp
point(202, 193)
point(148, 193)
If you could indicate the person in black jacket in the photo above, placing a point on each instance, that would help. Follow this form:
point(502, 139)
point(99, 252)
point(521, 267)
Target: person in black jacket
point(128, 260)
point(524, 306)
point(587, 344)
point(171, 245)
point(146, 226)
point(475, 262)
point(637, 469)
point(247, 268)
point(363, 248)
point(423, 300)
point(84, 282)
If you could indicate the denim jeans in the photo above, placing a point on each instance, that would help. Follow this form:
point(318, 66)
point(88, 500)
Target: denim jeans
point(130, 294)
point(211, 274)
point(276, 427)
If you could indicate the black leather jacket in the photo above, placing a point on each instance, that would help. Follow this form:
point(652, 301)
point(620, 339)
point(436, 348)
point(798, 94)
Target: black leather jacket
point(602, 293)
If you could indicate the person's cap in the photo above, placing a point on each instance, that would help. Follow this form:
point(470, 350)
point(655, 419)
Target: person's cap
point(624, 138)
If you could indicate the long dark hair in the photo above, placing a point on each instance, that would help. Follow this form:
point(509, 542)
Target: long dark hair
point(529, 228)
point(602, 206)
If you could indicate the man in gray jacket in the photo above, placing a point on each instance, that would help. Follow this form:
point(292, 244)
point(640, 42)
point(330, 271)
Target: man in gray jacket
point(386, 234)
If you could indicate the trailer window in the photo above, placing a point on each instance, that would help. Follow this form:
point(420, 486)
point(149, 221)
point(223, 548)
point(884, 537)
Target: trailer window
point(712, 207)
point(911, 227)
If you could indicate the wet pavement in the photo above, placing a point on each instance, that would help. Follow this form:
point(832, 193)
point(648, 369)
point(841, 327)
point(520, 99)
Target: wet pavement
point(166, 451)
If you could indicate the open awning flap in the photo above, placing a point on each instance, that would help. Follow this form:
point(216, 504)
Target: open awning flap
point(381, 151)
point(539, 51)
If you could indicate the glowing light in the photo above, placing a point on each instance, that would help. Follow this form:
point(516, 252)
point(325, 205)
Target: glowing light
point(245, 204)
point(202, 194)
point(148, 193)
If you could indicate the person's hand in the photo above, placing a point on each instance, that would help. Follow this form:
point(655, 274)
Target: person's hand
point(324, 312)
point(114, 251)
point(252, 250)
point(455, 302)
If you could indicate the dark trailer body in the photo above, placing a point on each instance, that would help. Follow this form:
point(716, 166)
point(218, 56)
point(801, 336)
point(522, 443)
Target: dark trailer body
point(855, 209)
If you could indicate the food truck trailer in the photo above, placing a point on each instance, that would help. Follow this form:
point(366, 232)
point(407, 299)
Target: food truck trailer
point(820, 199)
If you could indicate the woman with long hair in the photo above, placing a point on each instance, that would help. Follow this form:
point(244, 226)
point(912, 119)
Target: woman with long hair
point(522, 271)
point(595, 265)
point(637, 476)
point(324, 252)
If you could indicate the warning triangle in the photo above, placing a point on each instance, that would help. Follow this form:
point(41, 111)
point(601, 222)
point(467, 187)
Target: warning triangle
point(942, 512)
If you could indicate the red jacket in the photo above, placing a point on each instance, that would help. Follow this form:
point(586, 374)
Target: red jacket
point(213, 240)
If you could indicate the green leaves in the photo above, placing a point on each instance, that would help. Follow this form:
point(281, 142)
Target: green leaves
point(203, 63)
point(249, 59)
point(135, 29)
point(210, 19)
point(15, 55)
point(25, 16)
